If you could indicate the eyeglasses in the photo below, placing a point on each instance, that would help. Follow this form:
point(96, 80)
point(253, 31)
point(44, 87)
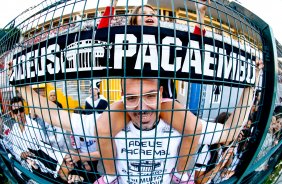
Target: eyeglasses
point(132, 101)
point(15, 111)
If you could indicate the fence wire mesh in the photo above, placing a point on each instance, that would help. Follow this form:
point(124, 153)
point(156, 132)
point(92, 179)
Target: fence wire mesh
point(165, 92)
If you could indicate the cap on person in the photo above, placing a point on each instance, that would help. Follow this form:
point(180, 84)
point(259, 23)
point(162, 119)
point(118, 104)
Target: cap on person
point(278, 111)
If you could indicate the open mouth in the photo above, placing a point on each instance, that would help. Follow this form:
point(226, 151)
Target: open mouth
point(144, 115)
point(149, 21)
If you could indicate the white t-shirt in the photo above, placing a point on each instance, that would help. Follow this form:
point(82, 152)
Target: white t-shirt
point(83, 128)
point(149, 160)
point(211, 132)
point(55, 136)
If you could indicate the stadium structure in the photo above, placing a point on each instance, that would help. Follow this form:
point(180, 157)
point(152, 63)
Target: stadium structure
point(58, 42)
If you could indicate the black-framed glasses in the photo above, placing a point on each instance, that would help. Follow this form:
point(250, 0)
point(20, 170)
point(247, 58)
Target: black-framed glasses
point(133, 101)
point(15, 111)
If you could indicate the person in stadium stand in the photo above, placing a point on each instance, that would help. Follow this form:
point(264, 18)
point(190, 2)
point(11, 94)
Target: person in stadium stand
point(268, 144)
point(278, 115)
point(29, 143)
point(94, 102)
point(53, 98)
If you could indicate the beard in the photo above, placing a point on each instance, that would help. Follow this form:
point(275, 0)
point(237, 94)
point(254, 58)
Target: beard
point(144, 120)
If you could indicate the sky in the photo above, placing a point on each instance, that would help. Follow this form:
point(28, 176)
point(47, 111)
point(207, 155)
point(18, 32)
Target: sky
point(267, 10)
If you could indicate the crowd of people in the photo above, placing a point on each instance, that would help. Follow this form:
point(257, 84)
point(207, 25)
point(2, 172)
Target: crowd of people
point(42, 147)
point(146, 137)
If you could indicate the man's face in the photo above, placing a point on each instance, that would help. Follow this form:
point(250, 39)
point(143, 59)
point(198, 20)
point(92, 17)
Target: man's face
point(142, 106)
point(52, 97)
point(94, 93)
point(277, 126)
point(18, 112)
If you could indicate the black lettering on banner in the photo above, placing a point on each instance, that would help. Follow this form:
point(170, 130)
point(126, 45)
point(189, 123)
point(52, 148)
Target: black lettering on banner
point(137, 151)
point(145, 143)
point(166, 53)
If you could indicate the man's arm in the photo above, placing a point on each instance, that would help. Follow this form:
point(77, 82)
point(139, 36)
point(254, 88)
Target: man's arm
point(106, 19)
point(201, 12)
point(83, 157)
point(242, 111)
point(46, 109)
point(226, 158)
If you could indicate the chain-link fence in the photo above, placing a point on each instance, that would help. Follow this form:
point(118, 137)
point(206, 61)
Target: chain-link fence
point(138, 92)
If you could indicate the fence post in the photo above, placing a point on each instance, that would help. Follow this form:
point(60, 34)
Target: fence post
point(269, 80)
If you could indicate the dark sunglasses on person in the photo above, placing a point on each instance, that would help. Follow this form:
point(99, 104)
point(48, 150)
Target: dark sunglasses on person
point(15, 111)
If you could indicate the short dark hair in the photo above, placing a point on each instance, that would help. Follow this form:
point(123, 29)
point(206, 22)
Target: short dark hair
point(278, 111)
point(222, 117)
point(123, 79)
point(16, 99)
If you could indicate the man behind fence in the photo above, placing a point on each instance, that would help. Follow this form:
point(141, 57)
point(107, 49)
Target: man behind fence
point(147, 149)
point(29, 143)
point(224, 134)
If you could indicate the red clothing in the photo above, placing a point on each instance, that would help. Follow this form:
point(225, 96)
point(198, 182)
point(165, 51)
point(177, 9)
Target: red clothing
point(106, 21)
point(197, 31)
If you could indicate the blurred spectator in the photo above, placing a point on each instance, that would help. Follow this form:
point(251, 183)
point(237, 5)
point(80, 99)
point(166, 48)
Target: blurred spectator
point(278, 115)
point(18, 94)
point(95, 103)
point(118, 21)
point(268, 143)
point(53, 98)
point(29, 144)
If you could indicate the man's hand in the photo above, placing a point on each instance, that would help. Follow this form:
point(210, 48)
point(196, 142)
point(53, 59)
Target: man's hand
point(72, 158)
point(10, 68)
point(115, 3)
point(26, 154)
point(75, 178)
point(201, 9)
point(227, 158)
point(32, 163)
point(259, 66)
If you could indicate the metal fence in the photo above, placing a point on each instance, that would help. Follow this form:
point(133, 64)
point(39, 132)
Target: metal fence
point(94, 91)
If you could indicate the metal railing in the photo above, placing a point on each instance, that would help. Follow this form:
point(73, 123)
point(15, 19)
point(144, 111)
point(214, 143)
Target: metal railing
point(60, 44)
